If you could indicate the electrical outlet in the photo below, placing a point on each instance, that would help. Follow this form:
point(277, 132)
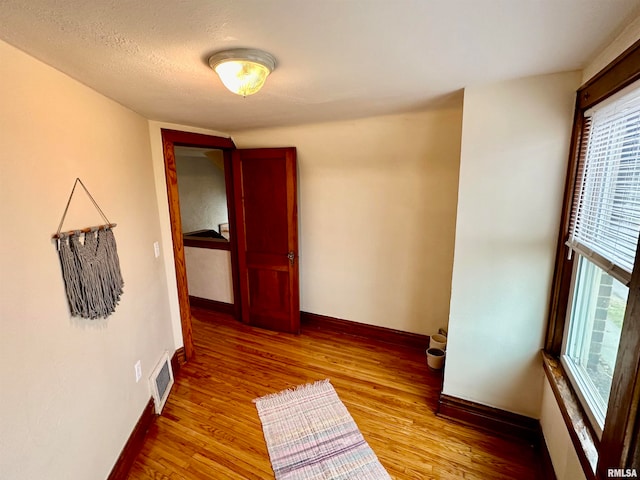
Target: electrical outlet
point(156, 249)
point(138, 368)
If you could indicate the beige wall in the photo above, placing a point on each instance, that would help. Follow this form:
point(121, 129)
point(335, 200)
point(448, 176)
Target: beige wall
point(68, 396)
point(515, 142)
point(377, 203)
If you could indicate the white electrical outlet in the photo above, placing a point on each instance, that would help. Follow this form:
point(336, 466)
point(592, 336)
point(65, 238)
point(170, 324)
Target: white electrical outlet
point(156, 249)
point(138, 368)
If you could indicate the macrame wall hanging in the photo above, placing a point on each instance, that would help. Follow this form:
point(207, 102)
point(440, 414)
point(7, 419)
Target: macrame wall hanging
point(90, 266)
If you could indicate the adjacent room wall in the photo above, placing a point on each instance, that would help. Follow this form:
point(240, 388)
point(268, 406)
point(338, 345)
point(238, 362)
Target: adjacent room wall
point(203, 195)
point(377, 204)
point(69, 398)
point(209, 273)
point(515, 142)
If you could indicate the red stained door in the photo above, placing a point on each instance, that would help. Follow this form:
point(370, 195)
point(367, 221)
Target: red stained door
point(267, 228)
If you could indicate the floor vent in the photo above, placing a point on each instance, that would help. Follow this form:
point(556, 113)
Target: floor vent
point(161, 381)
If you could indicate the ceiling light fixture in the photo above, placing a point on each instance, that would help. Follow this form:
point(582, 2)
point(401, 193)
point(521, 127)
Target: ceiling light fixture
point(243, 70)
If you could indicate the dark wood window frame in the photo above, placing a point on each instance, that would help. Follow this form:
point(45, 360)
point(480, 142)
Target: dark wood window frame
point(620, 442)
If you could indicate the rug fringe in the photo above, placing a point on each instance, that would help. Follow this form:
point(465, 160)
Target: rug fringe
point(291, 393)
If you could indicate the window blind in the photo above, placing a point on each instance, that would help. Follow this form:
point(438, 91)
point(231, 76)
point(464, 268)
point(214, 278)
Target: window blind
point(605, 219)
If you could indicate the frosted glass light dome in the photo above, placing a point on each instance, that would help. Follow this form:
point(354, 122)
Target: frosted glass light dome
point(242, 70)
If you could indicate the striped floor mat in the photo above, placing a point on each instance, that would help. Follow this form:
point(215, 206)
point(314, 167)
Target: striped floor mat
point(311, 435)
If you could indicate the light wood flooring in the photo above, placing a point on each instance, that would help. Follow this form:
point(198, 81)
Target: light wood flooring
point(210, 429)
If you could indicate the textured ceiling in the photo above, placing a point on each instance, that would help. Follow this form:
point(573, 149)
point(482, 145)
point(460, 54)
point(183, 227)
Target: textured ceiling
point(337, 59)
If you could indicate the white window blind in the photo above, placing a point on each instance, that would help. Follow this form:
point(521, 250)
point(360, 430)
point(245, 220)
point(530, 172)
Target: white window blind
point(605, 219)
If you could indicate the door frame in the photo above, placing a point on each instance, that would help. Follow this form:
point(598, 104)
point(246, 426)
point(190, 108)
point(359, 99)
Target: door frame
point(170, 139)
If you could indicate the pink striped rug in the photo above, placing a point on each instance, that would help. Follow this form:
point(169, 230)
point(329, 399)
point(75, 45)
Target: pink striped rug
point(311, 435)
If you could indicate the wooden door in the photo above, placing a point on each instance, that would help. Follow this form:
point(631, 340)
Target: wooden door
point(265, 182)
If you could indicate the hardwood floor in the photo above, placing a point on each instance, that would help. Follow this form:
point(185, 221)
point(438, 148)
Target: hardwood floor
point(210, 429)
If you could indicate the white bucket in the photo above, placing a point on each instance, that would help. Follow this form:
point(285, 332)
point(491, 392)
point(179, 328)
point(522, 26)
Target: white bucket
point(438, 341)
point(435, 358)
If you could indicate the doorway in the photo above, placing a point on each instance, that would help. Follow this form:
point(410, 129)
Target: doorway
point(262, 230)
point(170, 140)
point(204, 215)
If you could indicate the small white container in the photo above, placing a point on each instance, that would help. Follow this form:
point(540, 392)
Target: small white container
point(435, 358)
point(438, 341)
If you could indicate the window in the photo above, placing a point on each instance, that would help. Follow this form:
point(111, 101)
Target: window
point(592, 349)
point(603, 234)
point(593, 336)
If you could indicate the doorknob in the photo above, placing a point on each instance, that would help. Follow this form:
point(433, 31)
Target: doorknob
point(291, 256)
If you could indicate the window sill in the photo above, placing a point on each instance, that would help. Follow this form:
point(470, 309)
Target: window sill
point(584, 440)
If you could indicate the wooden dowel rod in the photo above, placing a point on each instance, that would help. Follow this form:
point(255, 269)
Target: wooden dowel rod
point(71, 233)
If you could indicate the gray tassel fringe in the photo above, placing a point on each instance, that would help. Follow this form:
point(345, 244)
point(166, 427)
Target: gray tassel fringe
point(91, 273)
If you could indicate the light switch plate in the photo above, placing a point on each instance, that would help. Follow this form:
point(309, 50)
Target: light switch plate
point(138, 368)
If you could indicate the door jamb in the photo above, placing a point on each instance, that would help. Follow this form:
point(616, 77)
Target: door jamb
point(171, 138)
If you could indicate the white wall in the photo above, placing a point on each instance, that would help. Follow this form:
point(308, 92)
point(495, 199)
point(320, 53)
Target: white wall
point(608, 53)
point(563, 456)
point(377, 203)
point(68, 398)
point(515, 142)
point(209, 273)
